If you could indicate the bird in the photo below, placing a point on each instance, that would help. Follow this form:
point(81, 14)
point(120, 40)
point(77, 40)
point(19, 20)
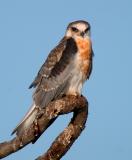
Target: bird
point(63, 73)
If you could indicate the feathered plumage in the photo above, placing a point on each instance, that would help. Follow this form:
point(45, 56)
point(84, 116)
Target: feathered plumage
point(68, 65)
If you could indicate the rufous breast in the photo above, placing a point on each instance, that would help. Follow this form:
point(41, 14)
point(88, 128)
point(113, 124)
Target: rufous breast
point(84, 53)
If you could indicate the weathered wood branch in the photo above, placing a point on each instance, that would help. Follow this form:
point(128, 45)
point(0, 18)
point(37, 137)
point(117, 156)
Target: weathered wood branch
point(63, 142)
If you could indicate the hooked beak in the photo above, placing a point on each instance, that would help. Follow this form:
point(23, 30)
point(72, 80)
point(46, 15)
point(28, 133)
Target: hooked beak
point(82, 34)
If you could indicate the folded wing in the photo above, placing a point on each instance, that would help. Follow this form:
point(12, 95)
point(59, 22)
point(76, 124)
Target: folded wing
point(54, 76)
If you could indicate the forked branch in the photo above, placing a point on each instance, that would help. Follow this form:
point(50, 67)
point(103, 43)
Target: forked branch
point(77, 105)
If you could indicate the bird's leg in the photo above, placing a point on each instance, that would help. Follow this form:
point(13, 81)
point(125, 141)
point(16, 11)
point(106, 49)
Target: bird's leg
point(40, 113)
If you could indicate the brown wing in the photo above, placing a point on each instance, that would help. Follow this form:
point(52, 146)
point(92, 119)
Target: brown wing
point(50, 62)
point(52, 83)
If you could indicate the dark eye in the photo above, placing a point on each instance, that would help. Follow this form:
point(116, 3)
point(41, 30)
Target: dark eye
point(87, 29)
point(74, 29)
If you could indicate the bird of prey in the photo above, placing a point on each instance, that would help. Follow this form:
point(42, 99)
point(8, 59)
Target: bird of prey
point(64, 72)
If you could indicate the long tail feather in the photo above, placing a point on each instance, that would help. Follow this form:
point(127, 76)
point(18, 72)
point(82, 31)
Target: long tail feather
point(26, 121)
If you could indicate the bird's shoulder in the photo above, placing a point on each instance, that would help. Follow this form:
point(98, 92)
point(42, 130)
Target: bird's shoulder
point(53, 58)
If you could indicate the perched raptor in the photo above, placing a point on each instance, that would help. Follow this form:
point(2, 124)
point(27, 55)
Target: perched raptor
point(65, 70)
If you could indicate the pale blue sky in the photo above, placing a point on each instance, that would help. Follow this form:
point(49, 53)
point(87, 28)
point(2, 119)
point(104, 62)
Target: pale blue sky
point(29, 29)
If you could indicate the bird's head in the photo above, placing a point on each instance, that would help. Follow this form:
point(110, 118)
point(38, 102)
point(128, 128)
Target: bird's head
point(78, 29)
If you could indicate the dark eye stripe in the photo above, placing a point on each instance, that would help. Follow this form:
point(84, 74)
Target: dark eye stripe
point(86, 30)
point(74, 29)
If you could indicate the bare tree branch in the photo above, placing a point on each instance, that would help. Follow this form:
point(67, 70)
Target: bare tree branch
point(46, 117)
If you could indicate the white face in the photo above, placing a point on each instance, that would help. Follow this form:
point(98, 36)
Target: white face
point(78, 29)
